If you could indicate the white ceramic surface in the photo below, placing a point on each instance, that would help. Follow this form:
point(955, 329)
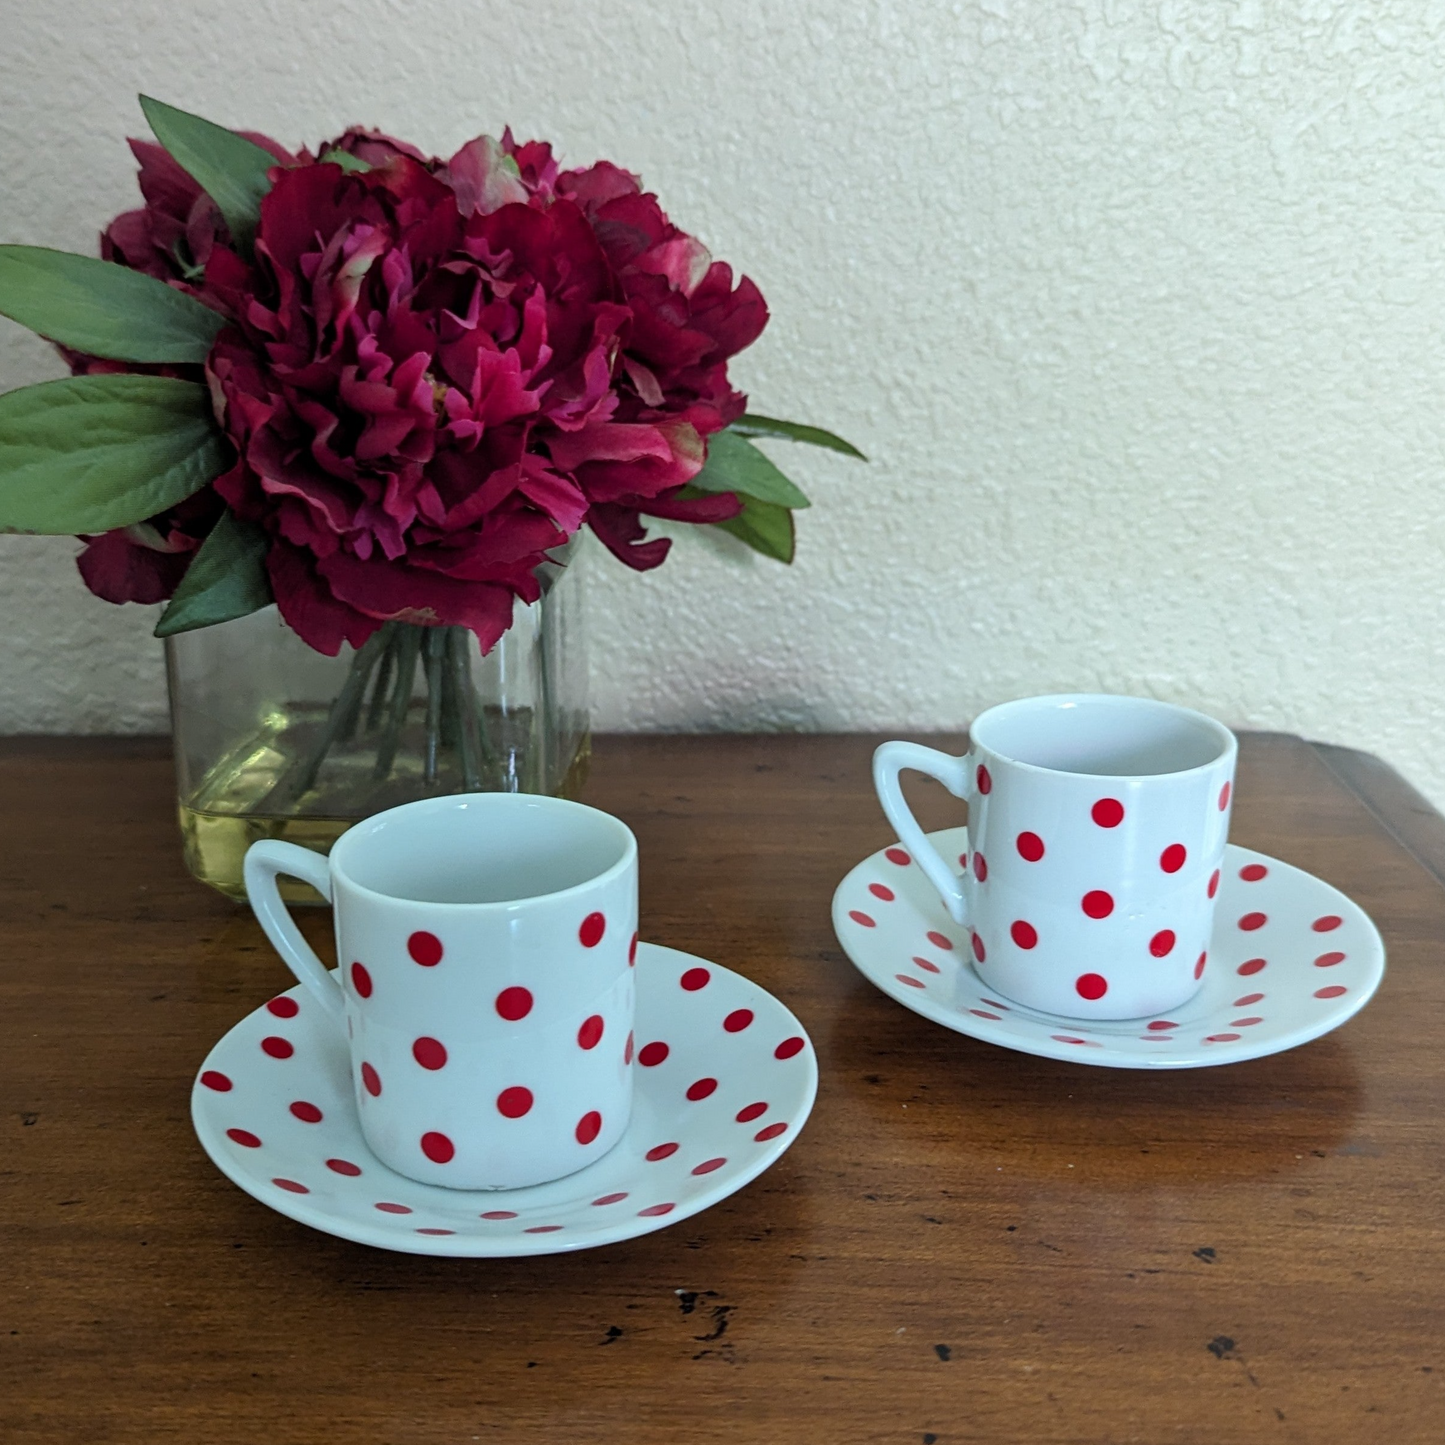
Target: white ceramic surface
point(1291, 958)
point(725, 1078)
point(1096, 827)
point(486, 942)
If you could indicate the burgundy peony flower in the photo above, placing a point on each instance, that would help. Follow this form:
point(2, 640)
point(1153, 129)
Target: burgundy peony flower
point(434, 373)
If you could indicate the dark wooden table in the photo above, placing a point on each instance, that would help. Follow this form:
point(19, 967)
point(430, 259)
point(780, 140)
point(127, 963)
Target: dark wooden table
point(965, 1244)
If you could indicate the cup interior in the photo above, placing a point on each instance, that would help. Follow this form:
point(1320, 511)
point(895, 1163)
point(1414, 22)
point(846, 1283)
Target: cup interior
point(1101, 735)
point(482, 848)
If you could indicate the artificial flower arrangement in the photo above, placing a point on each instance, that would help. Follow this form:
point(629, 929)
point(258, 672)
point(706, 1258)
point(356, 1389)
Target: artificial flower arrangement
point(380, 389)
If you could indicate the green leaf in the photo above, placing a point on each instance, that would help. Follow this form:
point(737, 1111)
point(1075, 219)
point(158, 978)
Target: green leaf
point(103, 309)
point(352, 165)
point(753, 425)
point(764, 526)
point(226, 579)
point(736, 465)
point(95, 452)
point(229, 168)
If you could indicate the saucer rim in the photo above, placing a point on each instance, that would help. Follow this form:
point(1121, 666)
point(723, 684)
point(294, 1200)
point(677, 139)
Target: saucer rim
point(300, 1209)
point(1107, 1056)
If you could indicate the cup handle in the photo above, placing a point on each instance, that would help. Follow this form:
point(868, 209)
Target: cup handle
point(264, 860)
point(890, 760)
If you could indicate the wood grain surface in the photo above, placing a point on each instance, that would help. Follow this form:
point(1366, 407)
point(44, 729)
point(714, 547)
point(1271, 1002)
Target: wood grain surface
point(964, 1245)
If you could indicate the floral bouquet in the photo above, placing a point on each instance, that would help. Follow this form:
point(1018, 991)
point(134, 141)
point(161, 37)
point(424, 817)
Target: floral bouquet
point(380, 389)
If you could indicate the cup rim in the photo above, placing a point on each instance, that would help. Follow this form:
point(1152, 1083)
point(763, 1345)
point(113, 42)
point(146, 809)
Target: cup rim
point(354, 835)
point(1228, 743)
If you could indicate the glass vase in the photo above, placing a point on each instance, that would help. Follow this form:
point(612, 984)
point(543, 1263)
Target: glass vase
point(275, 740)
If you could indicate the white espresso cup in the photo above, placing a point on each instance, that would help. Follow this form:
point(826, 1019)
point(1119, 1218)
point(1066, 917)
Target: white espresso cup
point(1096, 828)
point(486, 944)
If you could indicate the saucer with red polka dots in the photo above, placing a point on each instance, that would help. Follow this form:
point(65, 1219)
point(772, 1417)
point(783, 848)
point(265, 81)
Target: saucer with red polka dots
point(725, 1078)
point(1290, 959)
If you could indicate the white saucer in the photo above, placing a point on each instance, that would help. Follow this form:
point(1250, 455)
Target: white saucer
point(725, 1078)
point(1291, 958)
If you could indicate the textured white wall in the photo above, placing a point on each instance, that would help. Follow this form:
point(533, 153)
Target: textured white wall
point(1137, 307)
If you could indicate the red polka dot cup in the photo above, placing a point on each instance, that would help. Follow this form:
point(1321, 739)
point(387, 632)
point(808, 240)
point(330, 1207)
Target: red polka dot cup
point(486, 944)
point(1096, 828)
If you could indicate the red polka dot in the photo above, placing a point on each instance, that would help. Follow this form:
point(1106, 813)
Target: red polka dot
point(611, 1198)
point(1248, 999)
point(361, 980)
point(911, 982)
point(632, 952)
point(542, 1229)
point(214, 1079)
point(1244, 1023)
point(1199, 965)
point(514, 1003)
point(514, 1102)
point(1334, 991)
point(939, 940)
point(291, 1186)
point(994, 1003)
point(708, 1165)
point(654, 1210)
point(963, 861)
point(388, 1208)
point(244, 1137)
point(1025, 935)
point(859, 917)
point(307, 1113)
point(1162, 943)
point(898, 856)
point(1098, 904)
point(924, 964)
point(627, 1052)
point(278, 1048)
point(650, 1055)
point(770, 1132)
point(978, 948)
point(1327, 924)
point(1252, 965)
point(984, 1014)
point(1329, 960)
point(882, 891)
point(1213, 887)
point(370, 1080)
point(1220, 1038)
point(436, 1231)
point(590, 1034)
point(1030, 846)
point(592, 929)
point(1224, 793)
point(344, 1166)
point(425, 948)
point(498, 1214)
point(660, 1151)
point(1253, 872)
point(1252, 921)
point(980, 866)
point(985, 782)
point(437, 1147)
point(589, 1126)
point(700, 1089)
point(738, 1020)
point(1161, 1025)
point(429, 1053)
point(283, 1007)
point(1068, 1039)
point(1091, 985)
point(696, 978)
point(749, 1112)
point(789, 1047)
point(1171, 860)
point(1107, 812)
